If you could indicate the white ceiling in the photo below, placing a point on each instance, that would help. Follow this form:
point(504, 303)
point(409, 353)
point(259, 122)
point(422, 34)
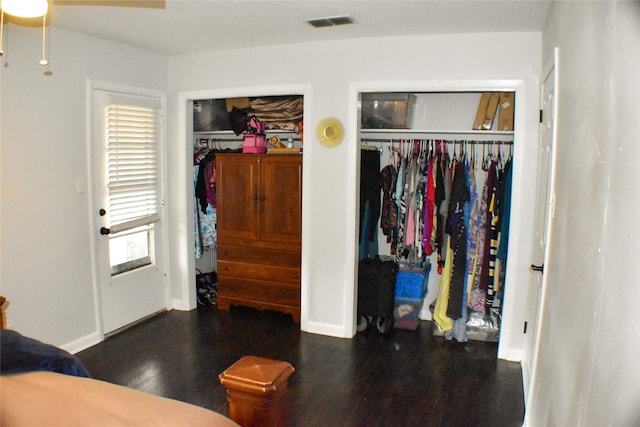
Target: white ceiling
point(191, 26)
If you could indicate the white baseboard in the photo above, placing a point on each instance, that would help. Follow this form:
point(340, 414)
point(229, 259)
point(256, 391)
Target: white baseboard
point(510, 354)
point(328, 329)
point(83, 343)
point(181, 305)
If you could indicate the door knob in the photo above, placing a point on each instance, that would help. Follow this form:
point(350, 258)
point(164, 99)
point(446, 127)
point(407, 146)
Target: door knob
point(104, 231)
point(102, 212)
point(539, 268)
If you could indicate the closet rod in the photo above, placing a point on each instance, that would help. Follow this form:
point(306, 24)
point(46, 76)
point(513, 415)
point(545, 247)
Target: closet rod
point(220, 139)
point(446, 141)
point(239, 139)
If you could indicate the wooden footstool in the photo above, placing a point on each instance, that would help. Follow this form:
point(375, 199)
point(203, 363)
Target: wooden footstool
point(255, 388)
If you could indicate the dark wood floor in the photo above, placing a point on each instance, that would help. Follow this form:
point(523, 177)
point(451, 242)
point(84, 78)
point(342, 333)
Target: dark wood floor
point(404, 378)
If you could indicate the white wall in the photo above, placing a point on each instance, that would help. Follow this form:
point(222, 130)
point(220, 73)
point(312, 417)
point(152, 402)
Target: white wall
point(45, 235)
point(329, 69)
point(46, 267)
point(588, 367)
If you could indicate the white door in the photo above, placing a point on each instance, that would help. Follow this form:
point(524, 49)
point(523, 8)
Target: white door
point(544, 209)
point(127, 206)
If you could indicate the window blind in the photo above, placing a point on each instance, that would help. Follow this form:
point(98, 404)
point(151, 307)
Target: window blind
point(132, 165)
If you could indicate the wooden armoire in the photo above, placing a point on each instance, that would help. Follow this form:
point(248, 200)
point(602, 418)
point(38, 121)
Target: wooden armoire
point(259, 207)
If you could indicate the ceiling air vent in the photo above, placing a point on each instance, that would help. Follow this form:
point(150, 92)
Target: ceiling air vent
point(330, 22)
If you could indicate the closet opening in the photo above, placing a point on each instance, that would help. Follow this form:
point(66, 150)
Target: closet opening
point(435, 173)
point(247, 170)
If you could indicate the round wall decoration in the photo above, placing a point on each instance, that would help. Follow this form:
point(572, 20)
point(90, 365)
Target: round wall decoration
point(330, 132)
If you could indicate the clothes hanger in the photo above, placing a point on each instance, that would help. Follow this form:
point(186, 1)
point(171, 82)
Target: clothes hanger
point(486, 158)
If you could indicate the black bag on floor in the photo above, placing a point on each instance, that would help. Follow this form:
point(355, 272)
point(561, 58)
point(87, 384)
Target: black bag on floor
point(206, 287)
point(376, 289)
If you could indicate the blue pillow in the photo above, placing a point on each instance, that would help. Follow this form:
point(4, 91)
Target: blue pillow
point(20, 354)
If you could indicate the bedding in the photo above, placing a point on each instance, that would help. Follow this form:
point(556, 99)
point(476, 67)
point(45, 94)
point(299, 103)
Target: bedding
point(42, 385)
point(20, 354)
point(53, 399)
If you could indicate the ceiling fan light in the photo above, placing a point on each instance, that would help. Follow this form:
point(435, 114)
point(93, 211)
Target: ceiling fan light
point(25, 8)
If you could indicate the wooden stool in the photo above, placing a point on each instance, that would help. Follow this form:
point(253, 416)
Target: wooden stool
point(255, 388)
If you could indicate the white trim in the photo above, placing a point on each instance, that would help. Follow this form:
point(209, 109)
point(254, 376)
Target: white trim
point(514, 275)
point(93, 225)
point(505, 350)
point(511, 355)
point(83, 343)
point(143, 100)
point(179, 304)
point(129, 90)
point(305, 285)
point(328, 329)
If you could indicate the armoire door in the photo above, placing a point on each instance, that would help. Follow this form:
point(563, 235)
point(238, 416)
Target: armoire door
point(238, 193)
point(281, 198)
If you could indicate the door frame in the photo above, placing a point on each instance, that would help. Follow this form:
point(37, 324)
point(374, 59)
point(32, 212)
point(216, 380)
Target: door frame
point(93, 86)
point(182, 257)
point(508, 347)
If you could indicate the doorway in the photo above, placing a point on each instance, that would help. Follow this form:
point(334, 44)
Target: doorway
point(510, 339)
point(184, 271)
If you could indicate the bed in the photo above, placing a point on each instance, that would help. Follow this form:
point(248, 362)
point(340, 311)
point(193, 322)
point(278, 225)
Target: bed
point(42, 385)
point(52, 399)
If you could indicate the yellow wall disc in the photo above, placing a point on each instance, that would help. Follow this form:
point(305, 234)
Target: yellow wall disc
point(330, 132)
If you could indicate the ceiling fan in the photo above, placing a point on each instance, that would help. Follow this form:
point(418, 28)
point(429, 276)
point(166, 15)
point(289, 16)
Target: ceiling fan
point(37, 8)
point(150, 4)
point(25, 10)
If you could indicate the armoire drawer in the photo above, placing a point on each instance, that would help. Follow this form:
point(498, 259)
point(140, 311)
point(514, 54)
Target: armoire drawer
point(256, 290)
point(259, 272)
point(259, 256)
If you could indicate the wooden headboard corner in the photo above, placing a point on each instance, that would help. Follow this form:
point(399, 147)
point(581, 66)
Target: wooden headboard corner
point(4, 303)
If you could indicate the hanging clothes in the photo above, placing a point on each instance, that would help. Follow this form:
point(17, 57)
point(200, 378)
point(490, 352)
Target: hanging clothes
point(478, 226)
point(491, 239)
point(459, 331)
point(402, 205)
point(205, 235)
point(457, 230)
point(504, 192)
point(440, 311)
point(205, 178)
point(430, 191)
point(505, 195)
point(443, 206)
point(389, 215)
point(472, 225)
point(370, 194)
point(443, 192)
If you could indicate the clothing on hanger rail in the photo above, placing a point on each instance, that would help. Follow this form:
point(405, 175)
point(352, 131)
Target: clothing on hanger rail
point(422, 210)
point(460, 141)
